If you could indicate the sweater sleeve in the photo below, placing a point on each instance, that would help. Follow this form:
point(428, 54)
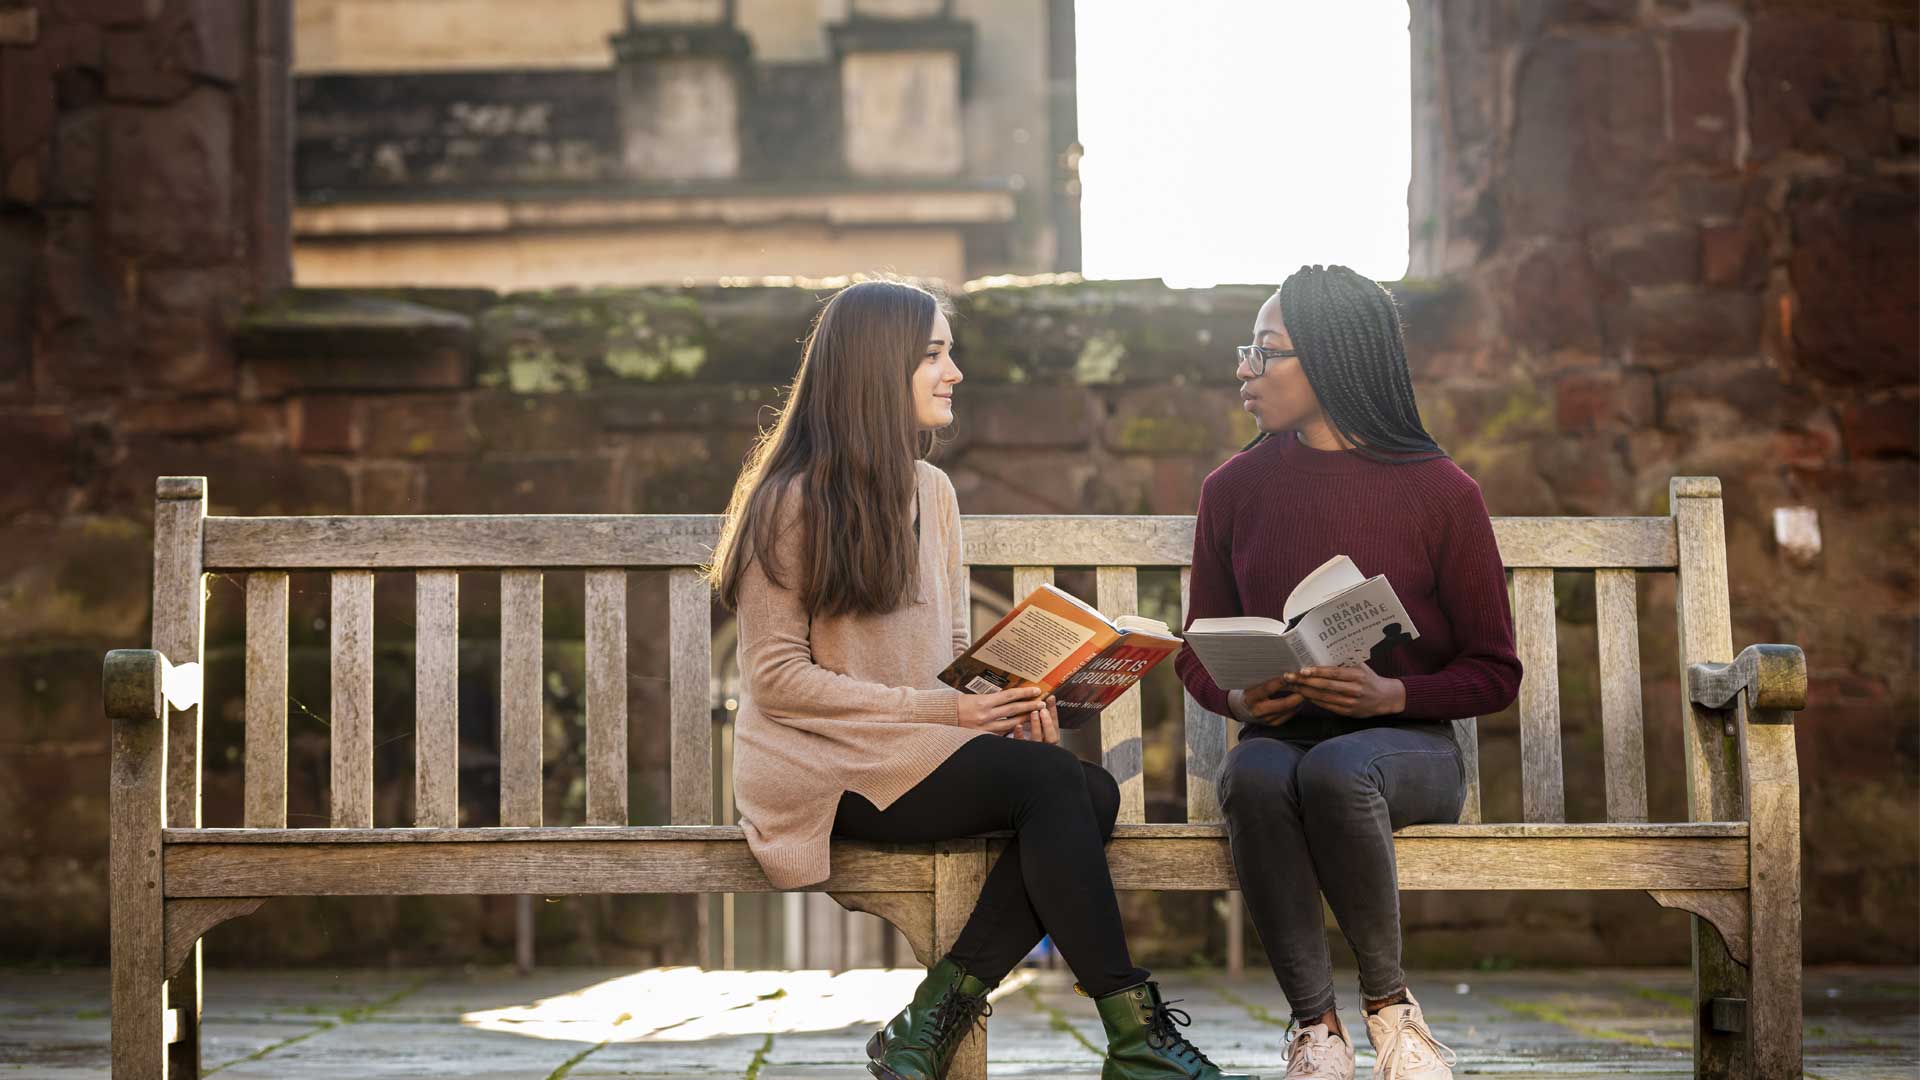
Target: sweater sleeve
point(1211, 593)
point(776, 657)
point(958, 592)
point(1484, 677)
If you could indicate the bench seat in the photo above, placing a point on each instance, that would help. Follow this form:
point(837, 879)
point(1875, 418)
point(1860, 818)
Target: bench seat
point(576, 859)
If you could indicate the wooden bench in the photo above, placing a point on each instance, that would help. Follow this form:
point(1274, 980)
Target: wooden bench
point(1734, 863)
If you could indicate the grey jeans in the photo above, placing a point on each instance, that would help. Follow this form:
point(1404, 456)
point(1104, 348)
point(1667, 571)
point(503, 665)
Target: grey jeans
point(1314, 816)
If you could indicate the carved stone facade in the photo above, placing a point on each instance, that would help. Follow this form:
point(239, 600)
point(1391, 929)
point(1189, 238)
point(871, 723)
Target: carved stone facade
point(703, 140)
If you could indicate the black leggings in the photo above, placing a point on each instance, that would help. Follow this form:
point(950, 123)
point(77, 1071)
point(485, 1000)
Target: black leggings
point(1053, 878)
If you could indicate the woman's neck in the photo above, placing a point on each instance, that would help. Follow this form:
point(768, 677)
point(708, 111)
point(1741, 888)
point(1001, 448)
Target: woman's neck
point(1320, 435)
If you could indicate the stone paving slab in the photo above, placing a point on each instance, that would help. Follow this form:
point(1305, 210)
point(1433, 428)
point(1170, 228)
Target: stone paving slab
point(685, 1024)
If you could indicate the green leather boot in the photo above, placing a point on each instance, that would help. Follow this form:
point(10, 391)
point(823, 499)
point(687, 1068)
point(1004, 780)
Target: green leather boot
point(1143, 1041)
point(919, 1043)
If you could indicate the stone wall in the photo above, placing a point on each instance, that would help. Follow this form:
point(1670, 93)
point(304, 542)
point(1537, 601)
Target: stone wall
point(1617, 285)
point(1688, 235)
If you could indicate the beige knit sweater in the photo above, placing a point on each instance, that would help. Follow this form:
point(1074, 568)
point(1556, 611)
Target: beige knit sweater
point(848, 703)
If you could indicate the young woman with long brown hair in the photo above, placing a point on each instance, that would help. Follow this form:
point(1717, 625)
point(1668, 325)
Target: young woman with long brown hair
point(841, 556)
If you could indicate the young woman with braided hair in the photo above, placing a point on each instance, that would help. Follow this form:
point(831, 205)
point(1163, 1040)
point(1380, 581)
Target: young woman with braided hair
point(841, 555)
point(1331, 760)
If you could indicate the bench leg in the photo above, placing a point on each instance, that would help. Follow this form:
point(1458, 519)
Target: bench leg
point(1719, 1046)
point(1773, 809)
point(136, 912)
point(959, 871)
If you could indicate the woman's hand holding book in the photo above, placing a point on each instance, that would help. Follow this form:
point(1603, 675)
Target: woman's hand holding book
point(1041, 725)
point(1000, 712)
point(1270, 702)
point(1348, 691)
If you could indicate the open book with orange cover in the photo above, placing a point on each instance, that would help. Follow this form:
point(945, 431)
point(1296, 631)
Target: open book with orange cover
point(1057, 641)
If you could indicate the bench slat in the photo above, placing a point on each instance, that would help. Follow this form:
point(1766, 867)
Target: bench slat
point(436, 698)
point(351, 725)
point(533, 867)
point(1117, 592)
point(690, 671)
point(1466, 735)
point(401, 542)
point(1206, 736)
point(1028, 578)
point(1579, 830)
point(521, 696)
point(1620, 720)
point(265, 804)
point(1542, 794)
point(606, 644)
point(1467, 863)
point(588, 866)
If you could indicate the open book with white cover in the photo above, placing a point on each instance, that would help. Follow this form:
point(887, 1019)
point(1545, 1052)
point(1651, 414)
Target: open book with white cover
point(1335, 617)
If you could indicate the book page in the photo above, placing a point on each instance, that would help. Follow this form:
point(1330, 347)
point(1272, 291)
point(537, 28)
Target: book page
point(1033, 643)
point(1237, 661)
point(1326, 581)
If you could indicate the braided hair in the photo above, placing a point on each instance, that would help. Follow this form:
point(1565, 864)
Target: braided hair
point(1354, 355)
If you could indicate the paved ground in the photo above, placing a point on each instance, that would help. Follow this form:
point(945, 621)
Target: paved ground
point(683, 1023)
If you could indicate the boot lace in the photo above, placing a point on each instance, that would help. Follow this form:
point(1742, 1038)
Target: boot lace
point(1409, 1044)
point(952, 1015)
point(1164, 1035)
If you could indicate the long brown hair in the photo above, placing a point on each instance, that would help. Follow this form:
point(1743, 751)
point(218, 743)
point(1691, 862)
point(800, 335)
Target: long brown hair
point(843, 447)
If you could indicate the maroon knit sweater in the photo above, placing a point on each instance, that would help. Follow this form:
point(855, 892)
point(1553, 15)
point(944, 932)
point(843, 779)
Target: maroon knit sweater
point(1269, 516)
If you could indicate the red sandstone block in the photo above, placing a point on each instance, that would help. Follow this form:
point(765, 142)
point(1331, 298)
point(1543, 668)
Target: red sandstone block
point(1605, 400)
point(387, 488)
point(1817, 83)
point(418, 426)
point(169, 190)
point(1853, 268)
point(186, 416)
point(1700, 62)
point(1888, 428)
point(326, 424)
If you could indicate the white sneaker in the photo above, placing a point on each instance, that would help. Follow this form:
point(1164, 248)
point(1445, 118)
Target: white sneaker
point(1404, 1047)
point(1318, 1053)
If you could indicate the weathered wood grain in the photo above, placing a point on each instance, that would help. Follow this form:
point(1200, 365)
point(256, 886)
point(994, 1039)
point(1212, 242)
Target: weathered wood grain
point(1705, 635)
point(606, 633)
point(1621, 727)
point(1772, 795)
point(188, 920)
point(136, 808)
point(689, 677)
point(1726, 909)
point(179, 625)
point(1441, 862)
point(718, 833)
point(1542, 782)
point(1117, 593)
point(350, 727)
point(436, 698)
point(1585, 543)
point(1775, 675)
point(579, 867)
point(401, 542)
point(959, 870)
point(265, 799)
point(1205, 735)
point(1466, 735)
point(522, 696)
point(461, 542)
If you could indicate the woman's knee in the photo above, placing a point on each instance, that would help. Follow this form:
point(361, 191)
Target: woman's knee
point(1258, 778)
point(1104, 792)
point(1334, 775)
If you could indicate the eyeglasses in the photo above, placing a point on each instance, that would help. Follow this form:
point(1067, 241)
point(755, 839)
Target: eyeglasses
point(1257, 357)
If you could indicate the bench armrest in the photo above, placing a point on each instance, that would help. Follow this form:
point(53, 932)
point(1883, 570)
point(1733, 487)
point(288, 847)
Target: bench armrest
point(138, 684)
point(1775, 677)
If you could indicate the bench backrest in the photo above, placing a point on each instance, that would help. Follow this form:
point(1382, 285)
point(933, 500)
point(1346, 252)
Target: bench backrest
point(1688, 542)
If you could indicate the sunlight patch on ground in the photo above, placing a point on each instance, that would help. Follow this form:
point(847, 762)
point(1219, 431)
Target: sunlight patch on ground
point(686, 1004)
